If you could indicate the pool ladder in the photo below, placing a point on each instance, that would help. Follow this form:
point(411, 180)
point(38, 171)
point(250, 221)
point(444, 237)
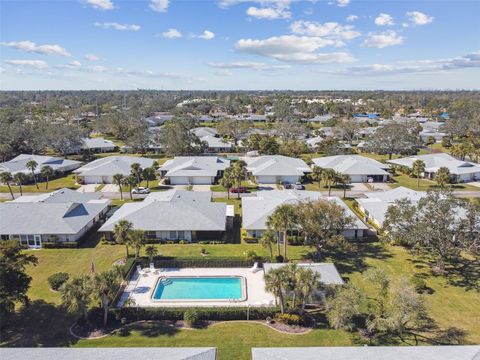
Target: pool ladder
point(165, 281)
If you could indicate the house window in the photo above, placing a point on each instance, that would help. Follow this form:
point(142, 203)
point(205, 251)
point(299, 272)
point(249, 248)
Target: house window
point(151, 234)
point(181, 235)
point(173, 234)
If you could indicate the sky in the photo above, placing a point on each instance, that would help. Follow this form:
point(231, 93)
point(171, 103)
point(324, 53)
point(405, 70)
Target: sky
point(239, 44)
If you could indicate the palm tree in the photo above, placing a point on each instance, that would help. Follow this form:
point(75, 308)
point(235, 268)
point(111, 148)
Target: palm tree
point(267, 240)
point(316, 175)
point(151, 251)
point(105, 287)
point(131, 181)
point(227, 180)
point(6, 178)
point(76, 295)
point(47, 172)
point(136, 170)
point(274, 280)
point(239, 172)
point(118, 180)
point(290, 278)
point(32, 165)
point(329, 177)
point(307, 282)
point(148, 174)
point(442, 177)
point(121, 231)
point(136, 238)
point(20, 178)
point(418, 168)
point(344, 179)
point(282, 219)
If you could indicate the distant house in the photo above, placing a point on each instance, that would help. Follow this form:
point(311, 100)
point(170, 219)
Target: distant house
point(204, 131)
point(19, 164)
point(174, 215)
point(273, 169)
point(158, 119)
point(319, 118)
point(63, 216)
point(329, 274)
point(216, 145)
point(194, 170)
point(101, 171)
point(461, 171)
point(359, 168)
point(314, 141)
point(376, 204)
point(257, 209)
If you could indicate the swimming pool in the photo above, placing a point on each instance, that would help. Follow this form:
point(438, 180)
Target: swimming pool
point(218, 288)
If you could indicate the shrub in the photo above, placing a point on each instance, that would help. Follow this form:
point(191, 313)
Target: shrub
point(183, 242)
point(289, 319)
point(279, 259)
point(295, 240)
point(58, 279)
point(59, 244)
point(191, 317)
point(127, 267)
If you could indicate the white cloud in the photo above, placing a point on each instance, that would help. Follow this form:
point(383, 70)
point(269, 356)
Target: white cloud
point(228, 3)
point(100, 4)
point(159, 5)
point(206, 35)
point(91, 57)
point(269, 13)
point(471, 60)
point(343, 3)
point(75, 63)
point(384, 19)
point(330, 30)
point(419, 18)
point(292, 48)
point(30, 46)
point(351, 18)
point(260, 66)
point(381, 40)
point(117, 26)
point(36, 64)
point(172, 34)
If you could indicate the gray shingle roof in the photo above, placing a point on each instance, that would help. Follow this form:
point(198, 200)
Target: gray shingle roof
point(352, 165)
point(435, 161)
point(195, 166)
point(19, 163)
point(97, 143)
point(369, 353)
point(111, 165)
point(328, 272)
point(60, 196)
point(172, 210)
point(126, 353)
point(276, 165)
point(215, 142)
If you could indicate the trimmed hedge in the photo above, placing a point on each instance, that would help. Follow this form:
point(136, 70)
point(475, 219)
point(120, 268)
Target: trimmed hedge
point(213, 314)
point(172, 262)
point(59, 244)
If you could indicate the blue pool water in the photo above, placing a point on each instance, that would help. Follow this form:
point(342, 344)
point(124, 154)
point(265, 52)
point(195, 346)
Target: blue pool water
point(198, 288)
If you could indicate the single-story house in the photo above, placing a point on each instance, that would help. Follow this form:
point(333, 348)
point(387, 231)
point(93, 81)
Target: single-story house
point(101, 171)
point(95, 145)
point(194, 170)
point(461, 171)
point(273, 169)
point(216, 144)
point(452, 352)
point(158, 119)
point(64, 195)
point(328, 272)
point(174, 215)
point(319, 118)
point(359, 168)
point(376, 204)
point(203, 131)
point(257, 209)
point(314, 141)
point(59, 216)
point(19, 164)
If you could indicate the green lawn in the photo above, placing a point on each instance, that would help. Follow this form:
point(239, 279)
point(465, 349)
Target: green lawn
point(246, 183)
point(410, 182)
point(67, 181)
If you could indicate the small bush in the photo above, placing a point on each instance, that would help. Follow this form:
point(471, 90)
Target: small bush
point(183, 242)
point(289, 319)
point(191, 317)
point(58, 279)
point(59, 244)
point(279, 259)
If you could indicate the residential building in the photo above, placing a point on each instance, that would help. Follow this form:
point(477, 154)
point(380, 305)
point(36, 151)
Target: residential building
point(257, 209)
point(64, 195)
point(19, 164)
point(359, 168)
point(101, 171)
point(194, 170)
point(216, 145)
point(274, 169)
point(329, 274)
point(461, 171)
point(95, 145)
point(174, 215)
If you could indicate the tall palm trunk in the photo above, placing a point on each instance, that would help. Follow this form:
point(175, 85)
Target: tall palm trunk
point(126, 248)
point(35, 179)
point(344, 191)
point(21, 190)
point(329, 188)
point(10, 189)
point(278, 243)
point(121, 191)
point(130, 191)
point(418, 181)
point(280, 299)
point(46, 184)
point(271, 250)
point(105, 311)
point(285, 245)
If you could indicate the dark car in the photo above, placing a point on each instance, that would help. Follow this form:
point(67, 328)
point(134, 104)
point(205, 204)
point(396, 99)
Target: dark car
point(240, 190)
point(286, 185)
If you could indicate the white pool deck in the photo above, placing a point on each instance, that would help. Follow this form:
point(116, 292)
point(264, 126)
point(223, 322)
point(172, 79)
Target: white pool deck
point(141, 286)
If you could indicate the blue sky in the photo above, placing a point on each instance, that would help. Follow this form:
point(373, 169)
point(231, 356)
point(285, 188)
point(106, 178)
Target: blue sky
point(238, 44)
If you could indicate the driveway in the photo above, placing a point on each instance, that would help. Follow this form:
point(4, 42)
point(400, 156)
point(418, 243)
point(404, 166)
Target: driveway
point(201, 188)
point(110, 188)
point(358, 187)
point(89, 188)
point(380, 186)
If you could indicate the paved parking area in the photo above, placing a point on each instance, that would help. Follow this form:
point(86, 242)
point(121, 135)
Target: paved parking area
point(201, 187)
point(89, 188)
point(110, 188)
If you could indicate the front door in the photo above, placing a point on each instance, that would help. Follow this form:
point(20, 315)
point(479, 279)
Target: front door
point(37, 240)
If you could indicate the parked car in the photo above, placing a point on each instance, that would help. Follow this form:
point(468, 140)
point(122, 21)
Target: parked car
point(286, 185)
point(298, 186)
point(141, 190)
point(240, 190)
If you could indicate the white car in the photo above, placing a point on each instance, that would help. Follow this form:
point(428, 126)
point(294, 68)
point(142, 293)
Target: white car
point(141, 190)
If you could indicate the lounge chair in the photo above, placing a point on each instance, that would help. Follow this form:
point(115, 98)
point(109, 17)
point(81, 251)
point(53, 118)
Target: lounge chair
point(255, 268)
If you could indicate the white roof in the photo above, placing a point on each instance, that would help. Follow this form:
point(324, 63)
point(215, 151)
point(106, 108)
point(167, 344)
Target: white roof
point(329, 274)
point(276, 165)
point(314, 141)
point(435, 161)
point(204, 131)
point(111, 165)
point(124, 353)
point(369, 353)
point(257, 209)
point(19, 163)
point(352, 165)
point(172, 210)
point(59, 196)
point(378, 202)
point(195, 166)
point(97, 143)
point(215, 142)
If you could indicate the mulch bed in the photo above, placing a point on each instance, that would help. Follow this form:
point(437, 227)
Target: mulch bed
point(289, 328)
